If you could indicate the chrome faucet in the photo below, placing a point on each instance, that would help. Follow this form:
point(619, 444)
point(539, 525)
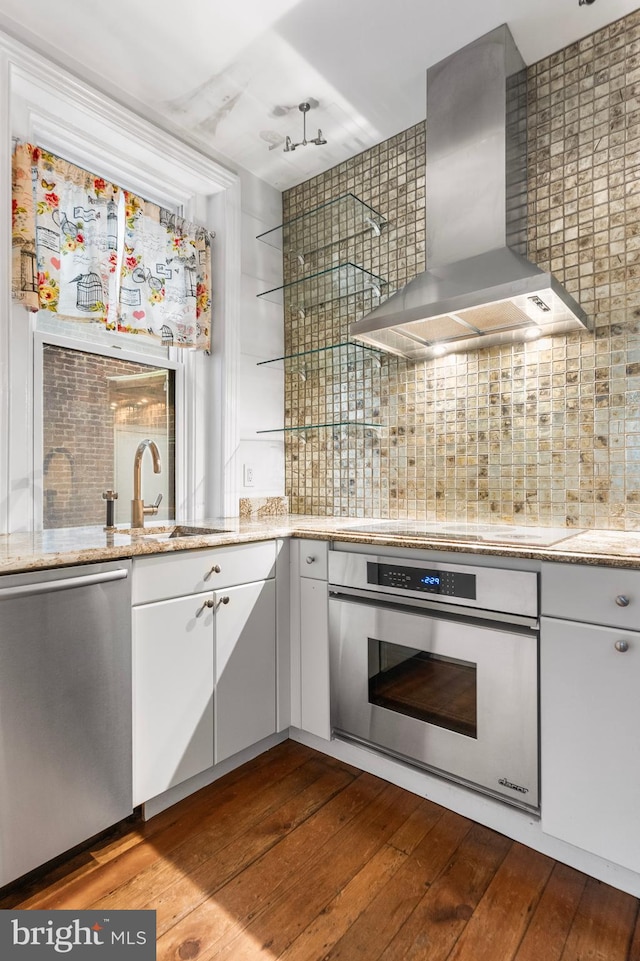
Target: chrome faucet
point(138, 506)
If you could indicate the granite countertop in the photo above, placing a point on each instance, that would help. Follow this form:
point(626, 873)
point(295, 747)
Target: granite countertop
point(58, 548)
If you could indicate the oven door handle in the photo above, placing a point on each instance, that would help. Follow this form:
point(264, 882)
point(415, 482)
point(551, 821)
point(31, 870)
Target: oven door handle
point(430, 607)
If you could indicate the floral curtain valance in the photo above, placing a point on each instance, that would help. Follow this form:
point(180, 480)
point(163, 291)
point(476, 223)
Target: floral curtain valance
point(68, 219)
point(166, 275)
point(87, 249)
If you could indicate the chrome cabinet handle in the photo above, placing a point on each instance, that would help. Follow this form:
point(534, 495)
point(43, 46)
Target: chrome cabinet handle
point(622, 600)
point(209, 603)
point(621, 646)
point(214, 570)
point(310, 559)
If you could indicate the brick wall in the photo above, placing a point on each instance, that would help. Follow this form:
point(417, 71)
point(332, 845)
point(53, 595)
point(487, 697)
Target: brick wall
point(83, 405)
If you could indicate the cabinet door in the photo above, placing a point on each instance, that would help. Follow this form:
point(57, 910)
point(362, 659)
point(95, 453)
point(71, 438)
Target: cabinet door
point(590, 724)
point(245, 666)
point(172, 693)
point(314, 658)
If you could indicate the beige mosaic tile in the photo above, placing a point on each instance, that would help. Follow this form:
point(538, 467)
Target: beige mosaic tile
point(544, 433)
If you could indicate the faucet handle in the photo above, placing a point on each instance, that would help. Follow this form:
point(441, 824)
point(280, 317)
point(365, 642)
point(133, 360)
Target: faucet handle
point(151, 508)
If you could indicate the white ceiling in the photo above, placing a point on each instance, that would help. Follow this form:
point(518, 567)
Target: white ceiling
point(231, 75)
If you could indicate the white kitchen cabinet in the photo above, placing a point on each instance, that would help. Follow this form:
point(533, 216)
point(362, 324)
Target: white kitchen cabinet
point(173, 684)
point(245, 667)
point(310, 694)
point(314, 658)
point(590, 713)
point(592, 595)
point(204, 664)
point(313, 558)
point(193, 572)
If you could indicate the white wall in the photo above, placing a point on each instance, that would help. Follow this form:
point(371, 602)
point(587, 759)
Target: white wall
point(260, 389)
point(238, 398)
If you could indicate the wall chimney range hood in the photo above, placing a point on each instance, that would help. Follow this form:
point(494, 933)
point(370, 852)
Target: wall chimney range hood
point(479, 288)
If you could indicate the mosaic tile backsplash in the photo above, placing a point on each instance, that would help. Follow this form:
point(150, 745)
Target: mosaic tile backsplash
point(544, 433)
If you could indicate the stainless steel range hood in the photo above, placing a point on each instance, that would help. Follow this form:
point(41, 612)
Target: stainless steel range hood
point(479, 288)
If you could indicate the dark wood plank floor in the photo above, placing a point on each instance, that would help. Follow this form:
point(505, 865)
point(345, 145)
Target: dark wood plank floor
point(299, 857)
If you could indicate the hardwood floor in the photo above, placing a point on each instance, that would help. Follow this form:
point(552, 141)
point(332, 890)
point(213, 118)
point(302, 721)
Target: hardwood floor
point(299, 857)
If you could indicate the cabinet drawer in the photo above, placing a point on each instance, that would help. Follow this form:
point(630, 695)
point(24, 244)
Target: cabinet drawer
point(594, 595)
point(312, 558)
point(192, 572)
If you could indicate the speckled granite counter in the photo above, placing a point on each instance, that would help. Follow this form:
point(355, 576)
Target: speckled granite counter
point(58, 548)
point(608, 548)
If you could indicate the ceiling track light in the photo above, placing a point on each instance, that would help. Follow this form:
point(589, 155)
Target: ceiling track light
point(289, 145)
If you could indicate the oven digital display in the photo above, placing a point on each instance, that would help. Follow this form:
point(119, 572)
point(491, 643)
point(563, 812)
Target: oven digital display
point(448, 583)
point(431, 580)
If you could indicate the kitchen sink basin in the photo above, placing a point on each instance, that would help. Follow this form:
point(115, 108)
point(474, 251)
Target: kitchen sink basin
point(177, 530)
point(182, 530)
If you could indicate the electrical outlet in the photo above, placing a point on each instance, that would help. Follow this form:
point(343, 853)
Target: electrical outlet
point(247, 478)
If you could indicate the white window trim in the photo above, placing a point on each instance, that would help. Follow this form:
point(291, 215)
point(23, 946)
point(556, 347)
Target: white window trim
point(69, 117)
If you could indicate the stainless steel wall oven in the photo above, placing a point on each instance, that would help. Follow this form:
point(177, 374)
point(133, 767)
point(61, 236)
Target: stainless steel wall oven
point(437, 664)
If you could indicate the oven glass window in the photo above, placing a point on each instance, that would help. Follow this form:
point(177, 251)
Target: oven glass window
point(429, 687)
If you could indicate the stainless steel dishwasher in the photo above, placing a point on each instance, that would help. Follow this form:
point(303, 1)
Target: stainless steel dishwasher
point(65, 710)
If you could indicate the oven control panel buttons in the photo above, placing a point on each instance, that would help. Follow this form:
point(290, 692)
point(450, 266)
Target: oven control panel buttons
point(426, 581)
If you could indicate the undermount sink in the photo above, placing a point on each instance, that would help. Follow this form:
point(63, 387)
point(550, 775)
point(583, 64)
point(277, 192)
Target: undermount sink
point(177, 530)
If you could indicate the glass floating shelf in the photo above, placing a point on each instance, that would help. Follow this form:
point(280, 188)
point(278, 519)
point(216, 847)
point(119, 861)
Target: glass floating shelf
point(323, 358)
point(339, 219)
point(301, 430)
point(327, 285)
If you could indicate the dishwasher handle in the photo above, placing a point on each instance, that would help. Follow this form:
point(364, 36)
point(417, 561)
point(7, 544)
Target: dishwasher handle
point(63, 584)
